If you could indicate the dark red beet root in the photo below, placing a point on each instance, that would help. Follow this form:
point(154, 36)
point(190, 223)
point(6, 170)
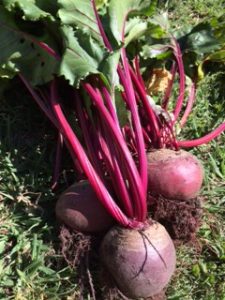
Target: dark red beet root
point(140, 261)
point(174, 174)
point(79, 208)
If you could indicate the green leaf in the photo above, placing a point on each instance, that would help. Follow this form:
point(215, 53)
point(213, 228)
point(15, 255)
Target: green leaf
point(46, 270)
point(122, 112)
point(156, 32)
point(22, 275)
point(48, 6)
point(158, 51)
point(153, 28)
point(161, 20)
point(108, 69)
point(107, 62)
point(201, 40)
point(118, 11)
point(80, 14)
point(135, 28)
point(203, 267)
point(215, 167)
point(77, 63)
point(218, 27)
point(218, 56)
point(150, 9)
point(31, 11)
point(20, 52)
point(101, 3)
point(5, 72)
point(84, 56)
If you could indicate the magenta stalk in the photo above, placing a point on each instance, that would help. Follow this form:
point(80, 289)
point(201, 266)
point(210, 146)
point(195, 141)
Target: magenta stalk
point(189, 106)
point(203, 140)
point(135, 180)
point(129, 90)
point(96, 183)
point(180, 99)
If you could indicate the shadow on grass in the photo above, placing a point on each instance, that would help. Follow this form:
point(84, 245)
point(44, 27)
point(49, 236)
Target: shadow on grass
point(28, 143)
point(29, 244)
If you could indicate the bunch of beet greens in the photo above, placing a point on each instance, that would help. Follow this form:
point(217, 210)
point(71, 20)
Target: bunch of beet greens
point(122, 160)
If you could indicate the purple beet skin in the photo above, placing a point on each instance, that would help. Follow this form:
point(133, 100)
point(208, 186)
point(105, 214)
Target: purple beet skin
point(174, 174)
point(141, 262)
point(79, 208)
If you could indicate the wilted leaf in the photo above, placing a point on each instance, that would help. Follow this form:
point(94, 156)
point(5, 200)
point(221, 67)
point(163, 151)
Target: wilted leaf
point(159, 81)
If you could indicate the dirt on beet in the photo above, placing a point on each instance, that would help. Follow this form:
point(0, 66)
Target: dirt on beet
point(180, 218)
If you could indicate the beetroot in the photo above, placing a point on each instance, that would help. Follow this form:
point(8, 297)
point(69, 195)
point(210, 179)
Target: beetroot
point(174, 174)
point(79, 208)
point(140, 261)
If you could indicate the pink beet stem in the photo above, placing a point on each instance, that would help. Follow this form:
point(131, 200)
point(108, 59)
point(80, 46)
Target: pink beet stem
point(116, 175)
point(132, 103)
point(101, 192)
point(189, 106)
point(111, 108)
point(203, 140)
point(143, 96)
point(114, 166)
point(169, 88)
point(101, 29)
point(180, 99)
point(48, 49)
point(130, 93)
point(42, 103)
point(82, 117)
point(128, 88)
point(135, 180)
point(39, 101)
point(138, 71)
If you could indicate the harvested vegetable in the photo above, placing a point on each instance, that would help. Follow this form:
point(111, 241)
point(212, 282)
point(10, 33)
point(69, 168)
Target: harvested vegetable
point(80, 210)
point(143, 260)
point(174, 174)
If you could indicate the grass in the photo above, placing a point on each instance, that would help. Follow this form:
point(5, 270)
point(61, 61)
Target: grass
point(201, 268)
point(31, 266)
point(191, 12)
